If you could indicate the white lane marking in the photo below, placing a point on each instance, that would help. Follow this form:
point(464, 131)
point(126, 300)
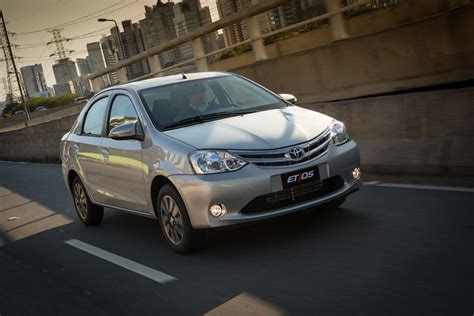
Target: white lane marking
point(128, 264)
point(371, 182)
point(419, 186)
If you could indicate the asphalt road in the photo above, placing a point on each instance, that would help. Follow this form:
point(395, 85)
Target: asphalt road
point(388, 250)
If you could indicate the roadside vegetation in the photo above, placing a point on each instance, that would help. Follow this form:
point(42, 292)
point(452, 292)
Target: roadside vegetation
point(239, 50)
point(48, 103)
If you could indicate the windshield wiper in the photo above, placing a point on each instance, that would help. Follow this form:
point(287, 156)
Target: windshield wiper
point(206, 117)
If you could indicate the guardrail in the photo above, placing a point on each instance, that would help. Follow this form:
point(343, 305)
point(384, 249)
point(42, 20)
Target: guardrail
point(249, 14)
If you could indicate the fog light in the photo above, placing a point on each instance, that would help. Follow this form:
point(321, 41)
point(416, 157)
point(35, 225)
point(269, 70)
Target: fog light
point(217, 210)
point(356, 173)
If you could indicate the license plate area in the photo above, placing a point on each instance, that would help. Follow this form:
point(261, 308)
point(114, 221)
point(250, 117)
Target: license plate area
point(299, 177)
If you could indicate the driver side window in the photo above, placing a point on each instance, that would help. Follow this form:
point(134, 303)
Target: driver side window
point(122, 111)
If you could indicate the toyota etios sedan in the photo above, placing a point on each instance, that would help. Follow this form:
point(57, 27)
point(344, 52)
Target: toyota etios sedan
point(204, 150)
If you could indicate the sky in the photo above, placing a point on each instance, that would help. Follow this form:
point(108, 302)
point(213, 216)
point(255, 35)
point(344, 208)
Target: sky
point(31, 19)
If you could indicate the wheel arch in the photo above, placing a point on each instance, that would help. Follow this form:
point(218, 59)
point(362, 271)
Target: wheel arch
point(70, 177)
point(158, 182)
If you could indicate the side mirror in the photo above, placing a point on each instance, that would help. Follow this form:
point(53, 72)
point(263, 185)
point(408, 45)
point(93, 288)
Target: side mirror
point(130, 130)
point(288, 97)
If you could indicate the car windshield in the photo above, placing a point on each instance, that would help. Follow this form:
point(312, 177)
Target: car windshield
point(197, 101)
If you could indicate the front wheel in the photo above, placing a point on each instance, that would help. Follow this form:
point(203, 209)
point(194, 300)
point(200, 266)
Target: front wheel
point(174, 221)
point(89, 213)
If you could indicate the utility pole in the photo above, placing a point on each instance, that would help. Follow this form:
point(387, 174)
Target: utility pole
point(64, 62)
point(58, 40)
point(11, 65)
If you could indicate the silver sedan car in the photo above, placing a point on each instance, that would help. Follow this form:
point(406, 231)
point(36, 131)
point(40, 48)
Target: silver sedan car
point(204, 150)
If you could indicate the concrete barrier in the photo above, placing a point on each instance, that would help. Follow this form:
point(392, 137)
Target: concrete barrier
point(36, 143)
point(430, 51)
point(416, 133)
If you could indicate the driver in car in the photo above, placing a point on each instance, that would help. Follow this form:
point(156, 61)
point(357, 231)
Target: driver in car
point(195, 102)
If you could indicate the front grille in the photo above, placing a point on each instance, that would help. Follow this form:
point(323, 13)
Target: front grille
point(279, 157)
point(294, 195)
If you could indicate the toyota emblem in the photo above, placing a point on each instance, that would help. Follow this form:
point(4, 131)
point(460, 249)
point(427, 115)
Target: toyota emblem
point(296, 153)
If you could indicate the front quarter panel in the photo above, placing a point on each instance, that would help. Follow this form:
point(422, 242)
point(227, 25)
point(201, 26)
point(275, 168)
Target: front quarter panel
point(166, 156)
point(163, 156)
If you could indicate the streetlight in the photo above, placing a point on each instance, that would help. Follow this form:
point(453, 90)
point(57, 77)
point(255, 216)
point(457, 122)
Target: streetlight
point(122, 50)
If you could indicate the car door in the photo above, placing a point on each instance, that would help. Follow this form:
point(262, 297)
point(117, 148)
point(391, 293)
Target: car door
point(87, 151)
point(123, 168)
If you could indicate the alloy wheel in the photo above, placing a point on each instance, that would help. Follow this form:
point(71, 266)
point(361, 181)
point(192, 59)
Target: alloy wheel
point(80, 200)
point(171, 219)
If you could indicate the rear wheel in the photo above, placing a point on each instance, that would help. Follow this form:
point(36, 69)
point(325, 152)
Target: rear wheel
point(89, 213)
point(174, 221)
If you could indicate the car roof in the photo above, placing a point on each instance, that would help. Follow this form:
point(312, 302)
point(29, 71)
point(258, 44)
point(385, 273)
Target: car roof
point(160, 81)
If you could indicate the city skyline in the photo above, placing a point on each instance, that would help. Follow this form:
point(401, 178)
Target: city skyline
point(81, 27)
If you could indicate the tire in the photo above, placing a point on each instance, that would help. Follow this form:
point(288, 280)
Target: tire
point(174, 221)
point(89, 213)
point(335, 203)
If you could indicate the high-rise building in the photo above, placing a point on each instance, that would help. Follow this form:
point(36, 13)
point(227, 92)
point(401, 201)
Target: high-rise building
point(96, 61)
point(111, 55)
point(295, 11)
point(83, 66)
point(165, 21)
point(185, 20)
point(236, 32)
point(84, 71)
point(35, 84)
point(210, 41)
point(313, 8)
point(286, 14)
point(158, 27)
point(67, 80)
point(376, 4)
point(133, 43)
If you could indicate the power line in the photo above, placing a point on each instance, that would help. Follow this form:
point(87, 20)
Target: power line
point(12, 71)
point(79, 20)
point(73, 38)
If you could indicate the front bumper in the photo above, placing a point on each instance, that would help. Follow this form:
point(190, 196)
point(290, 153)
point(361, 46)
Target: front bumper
point(236, 189)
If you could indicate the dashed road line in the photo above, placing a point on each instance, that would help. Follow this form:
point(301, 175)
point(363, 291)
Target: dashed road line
point(419, 186)
point(128, 264)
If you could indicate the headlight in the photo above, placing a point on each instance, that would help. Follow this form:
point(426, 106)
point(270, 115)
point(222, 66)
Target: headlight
point(212, 161)
point(339, 133)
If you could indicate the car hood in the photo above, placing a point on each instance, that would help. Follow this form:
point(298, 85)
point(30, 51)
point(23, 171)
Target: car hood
point(261, 130)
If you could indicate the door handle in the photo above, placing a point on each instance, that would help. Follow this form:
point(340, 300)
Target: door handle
point(75, 148)
point(105, 154)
